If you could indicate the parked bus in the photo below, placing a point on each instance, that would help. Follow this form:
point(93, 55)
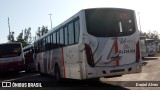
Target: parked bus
point(151, 47)
point(29, 61)
point(92, 43)
point(144, 52)
point(11, 57)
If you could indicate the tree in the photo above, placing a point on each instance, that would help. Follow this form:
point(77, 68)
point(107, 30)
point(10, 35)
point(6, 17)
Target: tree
point(153, 35)
point(41, 31)
point(11, 37)
point(25, 37)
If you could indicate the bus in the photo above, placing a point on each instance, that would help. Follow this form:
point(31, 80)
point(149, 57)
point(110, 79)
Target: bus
point(151, 47)
point(29, 61)
point(93, 43)
point(11, 57)
point(144, 52)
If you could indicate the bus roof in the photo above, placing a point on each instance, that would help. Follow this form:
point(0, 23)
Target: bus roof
point(71, 18)
point(10, 43)
point(149, 39)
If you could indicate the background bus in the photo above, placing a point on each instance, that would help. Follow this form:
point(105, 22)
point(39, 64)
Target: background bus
point(144, 52)
point(151, 47)
point(11, 57)
point(92, 43)
point(29, 61)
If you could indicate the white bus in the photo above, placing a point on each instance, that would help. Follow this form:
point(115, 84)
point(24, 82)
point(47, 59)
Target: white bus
point(144, 52)
point(151, 47)
point(11, 57)
point(92, 43)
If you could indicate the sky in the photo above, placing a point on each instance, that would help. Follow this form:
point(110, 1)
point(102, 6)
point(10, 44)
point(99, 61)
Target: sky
point(35, 13)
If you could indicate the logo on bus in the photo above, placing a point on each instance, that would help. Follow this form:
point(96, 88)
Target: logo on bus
point(127, 51)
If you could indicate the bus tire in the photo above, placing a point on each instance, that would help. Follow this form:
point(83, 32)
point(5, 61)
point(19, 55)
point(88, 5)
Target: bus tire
point(57, 73)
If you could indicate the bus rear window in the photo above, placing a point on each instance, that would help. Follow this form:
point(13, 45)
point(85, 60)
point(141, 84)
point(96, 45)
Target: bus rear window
point(10, 50)
point(110, 22)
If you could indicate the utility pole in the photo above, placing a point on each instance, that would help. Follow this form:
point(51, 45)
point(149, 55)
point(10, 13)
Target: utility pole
point(9, 31)
point(50, 20)
point(139, 21)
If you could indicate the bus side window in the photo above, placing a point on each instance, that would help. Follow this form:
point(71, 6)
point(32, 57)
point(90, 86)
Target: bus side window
point(65, 35)
point(46, 42)
point(51, 41)
point(71, 33)
point(54, 41)
point(57, 39)
point(76, 28)
point(43, 44)
point(61, 38)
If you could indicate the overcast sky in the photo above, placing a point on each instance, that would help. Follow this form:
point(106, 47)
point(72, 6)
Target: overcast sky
point(34, 13)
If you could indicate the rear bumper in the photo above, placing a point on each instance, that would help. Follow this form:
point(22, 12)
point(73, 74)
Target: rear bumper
point(116, 70)
point(11, 66)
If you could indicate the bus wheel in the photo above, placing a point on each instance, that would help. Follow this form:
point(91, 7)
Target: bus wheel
point(57, 73)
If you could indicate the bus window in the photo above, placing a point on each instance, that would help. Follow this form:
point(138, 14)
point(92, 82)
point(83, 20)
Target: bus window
point(71, 33)
point(54, 41)
point(76, 25)
point(66, 35)
point(110, 23)
point(61, 37)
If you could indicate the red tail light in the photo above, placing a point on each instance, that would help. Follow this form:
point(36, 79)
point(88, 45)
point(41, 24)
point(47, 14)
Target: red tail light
point(137, 52)
point(89, 55)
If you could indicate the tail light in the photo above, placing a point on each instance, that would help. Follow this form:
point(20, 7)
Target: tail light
point(89, 55)
point(137, 52)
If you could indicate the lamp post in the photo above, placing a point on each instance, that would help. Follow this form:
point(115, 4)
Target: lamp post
point(9, 30)
point(139, 21)
point(50, 20)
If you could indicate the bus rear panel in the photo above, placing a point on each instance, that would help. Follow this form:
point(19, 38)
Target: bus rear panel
point(11, 57)
point(111, 42)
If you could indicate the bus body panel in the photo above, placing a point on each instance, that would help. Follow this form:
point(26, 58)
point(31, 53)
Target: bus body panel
point(112, 52)
point(72, 61)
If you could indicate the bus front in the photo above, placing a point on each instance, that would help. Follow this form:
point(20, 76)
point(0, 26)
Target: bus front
point(111, 42)
point(11, 57)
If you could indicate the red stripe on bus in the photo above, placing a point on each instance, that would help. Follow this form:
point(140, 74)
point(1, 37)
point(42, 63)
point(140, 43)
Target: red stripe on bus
point(63, 63)
point(116, 51)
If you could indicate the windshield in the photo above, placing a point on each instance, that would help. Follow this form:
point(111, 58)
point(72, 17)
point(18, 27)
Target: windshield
point(150, 42)
point(110, 22)
point(10, 50)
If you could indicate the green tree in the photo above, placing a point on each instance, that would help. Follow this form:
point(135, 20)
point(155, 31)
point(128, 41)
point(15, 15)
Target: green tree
point(41, 31)
point(153, 35)
point(25, 37)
